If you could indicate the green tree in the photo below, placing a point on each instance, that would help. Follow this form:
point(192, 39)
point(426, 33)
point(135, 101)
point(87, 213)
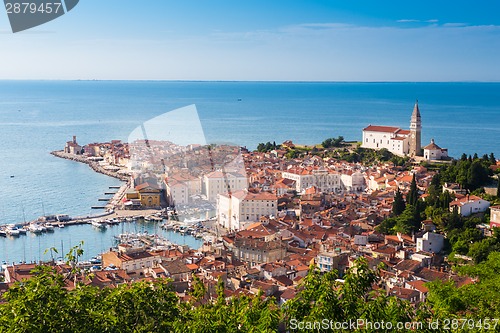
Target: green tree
point(412, 196)
point(143, 307)
point(398, 205)
point(36, 305)
point(408, 221)
point(291, 154)
point(493, 160)
point(333, 142)
point(498, 187)
point(476, 300)
point(480, 250)
point(477, 175)
point(386, 227)
point(323, 296)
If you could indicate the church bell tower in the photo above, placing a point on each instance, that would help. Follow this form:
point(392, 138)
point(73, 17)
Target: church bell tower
point(415, 132)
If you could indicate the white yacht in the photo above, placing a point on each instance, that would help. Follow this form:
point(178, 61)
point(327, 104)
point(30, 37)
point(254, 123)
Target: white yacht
point(12, 230)
point(98, 224)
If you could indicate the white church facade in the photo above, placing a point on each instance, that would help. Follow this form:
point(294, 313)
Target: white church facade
point(398, 141)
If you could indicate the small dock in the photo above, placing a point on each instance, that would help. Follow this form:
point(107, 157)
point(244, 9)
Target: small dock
point(103, 199)
point(114, 187)
point(109, 193)
point(98, 207)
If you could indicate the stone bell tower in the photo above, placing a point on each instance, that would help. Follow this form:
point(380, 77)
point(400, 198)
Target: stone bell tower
point(415, 132)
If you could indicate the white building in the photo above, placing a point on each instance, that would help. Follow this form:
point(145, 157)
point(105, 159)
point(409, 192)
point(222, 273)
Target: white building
point(469, 204)
point(430, 242)
point(353, 181)
point(177, 193)
point(242, 208)
point(394, 139)
point(398, 141)
point(495, 216)
point(218, 182)
point(325, 180)
point(433, 152)
point(180, 187)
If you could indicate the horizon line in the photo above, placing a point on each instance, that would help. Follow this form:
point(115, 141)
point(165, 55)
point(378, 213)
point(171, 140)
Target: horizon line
point(254, 81)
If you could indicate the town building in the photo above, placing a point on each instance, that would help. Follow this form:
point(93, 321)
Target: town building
point(454, 188)
point(219, 182)
point(146, 194)
point(323, 179)
point(241, 208)
point(398, 141)
point(72, 147)
point(130, 259)
point(469, 204)
point(432, 152)
point(495, 216)
point(328, 261)
point(258, 251)
point(430, 242)
point(353, 181)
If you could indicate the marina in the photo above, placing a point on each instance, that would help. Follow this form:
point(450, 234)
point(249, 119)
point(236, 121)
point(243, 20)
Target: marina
point(99, 237)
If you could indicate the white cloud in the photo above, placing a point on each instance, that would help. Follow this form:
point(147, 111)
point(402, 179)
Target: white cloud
point(453, 25)
point(407, 21)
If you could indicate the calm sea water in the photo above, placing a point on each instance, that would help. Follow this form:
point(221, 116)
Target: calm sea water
point(37, 117)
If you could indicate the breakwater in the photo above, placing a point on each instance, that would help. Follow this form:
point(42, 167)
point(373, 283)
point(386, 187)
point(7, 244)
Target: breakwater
point(92, 164)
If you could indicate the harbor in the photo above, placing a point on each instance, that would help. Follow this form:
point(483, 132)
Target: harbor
point(49, 237)
point(33, 246)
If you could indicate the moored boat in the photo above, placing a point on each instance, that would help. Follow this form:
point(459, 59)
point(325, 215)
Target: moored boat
point(98, 224)
point(35, 228)
point(12, 230)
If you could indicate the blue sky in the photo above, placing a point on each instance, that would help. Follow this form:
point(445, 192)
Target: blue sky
point(260, 40)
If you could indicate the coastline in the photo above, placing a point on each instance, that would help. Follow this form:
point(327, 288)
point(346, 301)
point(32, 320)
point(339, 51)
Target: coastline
point(94, 165)
point(112, 209)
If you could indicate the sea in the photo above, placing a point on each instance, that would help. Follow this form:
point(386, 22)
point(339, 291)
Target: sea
point(37, 117)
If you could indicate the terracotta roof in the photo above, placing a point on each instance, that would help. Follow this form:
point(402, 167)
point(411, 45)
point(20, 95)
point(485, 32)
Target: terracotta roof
point(387, 129)
point(465, 199)
point(419, 285)
point(432, 146)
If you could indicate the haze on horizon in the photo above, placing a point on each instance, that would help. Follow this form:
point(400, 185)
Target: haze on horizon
point(260, 40)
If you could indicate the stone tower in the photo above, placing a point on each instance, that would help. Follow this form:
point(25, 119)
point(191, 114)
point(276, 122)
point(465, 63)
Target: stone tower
point(415, 132)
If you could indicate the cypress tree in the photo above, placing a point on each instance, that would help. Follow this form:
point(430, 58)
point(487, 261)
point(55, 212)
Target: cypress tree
point(412, 196)
point(498, 187)
point(493, 160)
point(398, 205)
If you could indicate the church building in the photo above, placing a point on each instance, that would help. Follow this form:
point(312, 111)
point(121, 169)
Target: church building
point(398, 141)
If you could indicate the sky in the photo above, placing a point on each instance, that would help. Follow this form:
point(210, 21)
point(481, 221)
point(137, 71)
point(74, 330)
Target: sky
point(260, 40)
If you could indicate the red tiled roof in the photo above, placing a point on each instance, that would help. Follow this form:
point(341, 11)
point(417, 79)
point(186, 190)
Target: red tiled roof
point(387, 129)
